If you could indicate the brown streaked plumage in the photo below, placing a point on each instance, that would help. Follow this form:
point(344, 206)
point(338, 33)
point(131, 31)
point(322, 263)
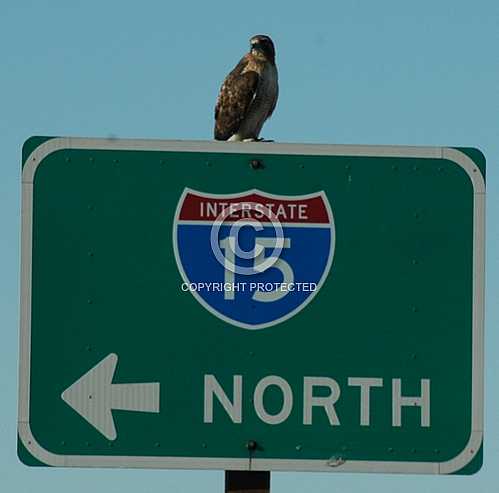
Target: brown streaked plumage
point(248, 95)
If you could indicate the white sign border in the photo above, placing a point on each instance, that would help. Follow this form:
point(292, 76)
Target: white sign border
point(447, 467)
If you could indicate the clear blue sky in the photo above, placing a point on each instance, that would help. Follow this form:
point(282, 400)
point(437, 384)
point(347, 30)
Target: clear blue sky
point(359, 72)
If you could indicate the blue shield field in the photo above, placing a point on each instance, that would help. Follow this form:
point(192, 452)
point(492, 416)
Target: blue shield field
point(253, 259)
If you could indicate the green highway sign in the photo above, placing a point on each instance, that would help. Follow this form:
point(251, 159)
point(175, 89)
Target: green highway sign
point(251, 306)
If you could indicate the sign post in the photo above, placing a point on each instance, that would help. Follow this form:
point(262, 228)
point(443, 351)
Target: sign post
point(184, 308)
point(247, 481)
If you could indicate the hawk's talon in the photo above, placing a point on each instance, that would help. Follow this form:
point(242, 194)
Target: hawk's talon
point(258, 139)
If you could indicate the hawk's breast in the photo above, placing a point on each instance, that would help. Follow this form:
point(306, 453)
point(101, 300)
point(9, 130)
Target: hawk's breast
point(263, 102)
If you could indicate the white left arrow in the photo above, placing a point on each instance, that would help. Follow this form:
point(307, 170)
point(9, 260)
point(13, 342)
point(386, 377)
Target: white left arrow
point(94, 395)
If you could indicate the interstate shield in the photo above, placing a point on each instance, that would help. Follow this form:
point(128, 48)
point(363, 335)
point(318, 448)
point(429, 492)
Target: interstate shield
point(253, 259)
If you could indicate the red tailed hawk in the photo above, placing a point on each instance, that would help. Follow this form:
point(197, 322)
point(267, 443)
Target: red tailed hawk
point(248, 94)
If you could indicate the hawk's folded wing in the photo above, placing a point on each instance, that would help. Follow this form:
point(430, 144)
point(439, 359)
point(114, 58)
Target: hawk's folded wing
point(236, 94)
